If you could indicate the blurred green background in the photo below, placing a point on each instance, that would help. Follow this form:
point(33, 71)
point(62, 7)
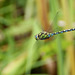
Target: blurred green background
point(21, 53)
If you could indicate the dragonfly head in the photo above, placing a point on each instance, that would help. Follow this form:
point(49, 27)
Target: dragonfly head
point(36, 37)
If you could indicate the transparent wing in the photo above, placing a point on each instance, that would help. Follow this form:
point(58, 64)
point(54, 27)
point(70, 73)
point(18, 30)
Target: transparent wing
point(51, 24)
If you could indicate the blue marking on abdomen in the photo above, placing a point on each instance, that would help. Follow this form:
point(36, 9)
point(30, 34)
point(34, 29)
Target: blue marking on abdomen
point(49, 35)
point(61, 32)
point(52, 34)
point(66, 30)
point(57, 33)
point(71, 29)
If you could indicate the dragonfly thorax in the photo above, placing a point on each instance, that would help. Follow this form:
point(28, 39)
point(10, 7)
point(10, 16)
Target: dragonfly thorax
point(42, 36)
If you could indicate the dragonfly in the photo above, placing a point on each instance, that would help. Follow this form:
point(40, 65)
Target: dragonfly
point(45, 35)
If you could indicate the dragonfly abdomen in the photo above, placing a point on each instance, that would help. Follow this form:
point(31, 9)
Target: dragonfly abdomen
point(59, 32)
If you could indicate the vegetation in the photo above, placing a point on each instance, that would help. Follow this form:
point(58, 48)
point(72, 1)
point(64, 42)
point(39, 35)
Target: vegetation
point(21, 53)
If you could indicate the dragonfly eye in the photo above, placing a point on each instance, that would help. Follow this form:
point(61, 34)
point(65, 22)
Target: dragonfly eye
point(36, 37)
